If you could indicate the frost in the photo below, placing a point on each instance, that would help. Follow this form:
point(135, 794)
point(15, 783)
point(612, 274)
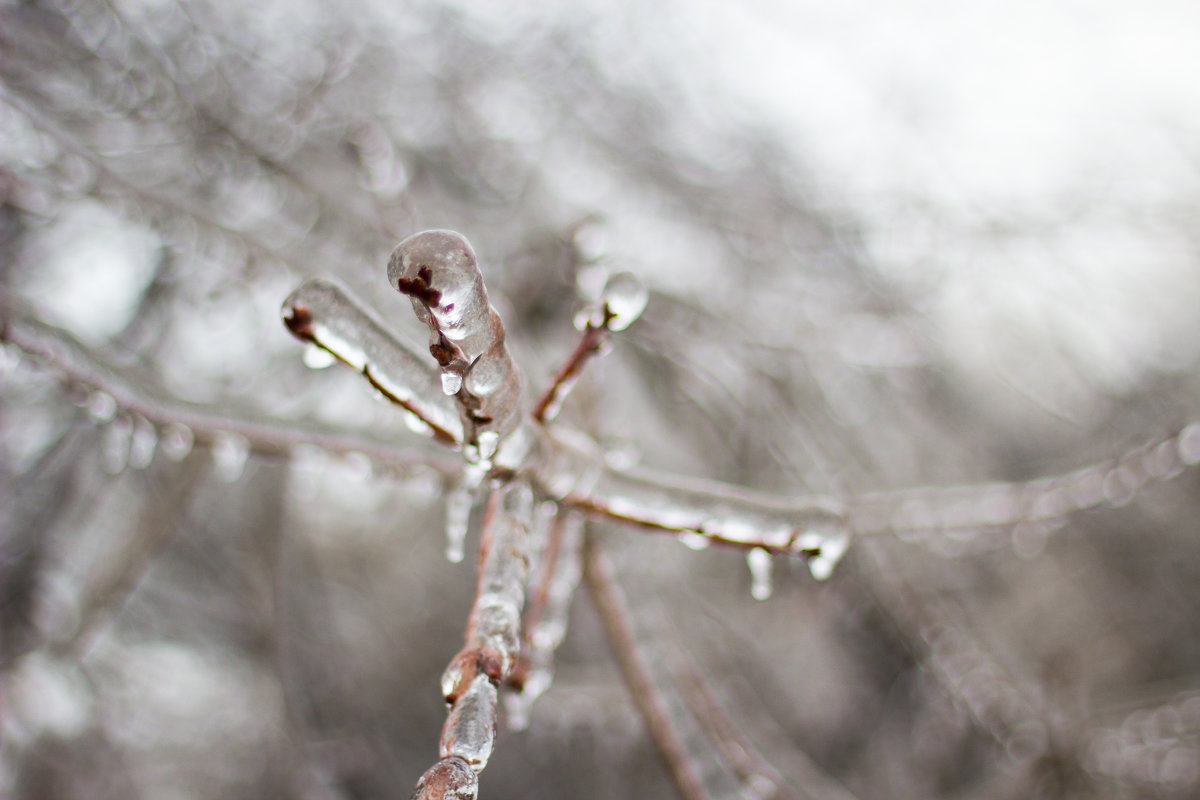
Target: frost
point(759, 561)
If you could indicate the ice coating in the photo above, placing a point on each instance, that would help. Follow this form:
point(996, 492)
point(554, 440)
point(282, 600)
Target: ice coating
point(470, 729)
point(624, 299)
point(549, 629)
point(494, 625)
point(699, 511)
point(324, 315)
point(449, 779)
point(142, 444)
point(438, 270)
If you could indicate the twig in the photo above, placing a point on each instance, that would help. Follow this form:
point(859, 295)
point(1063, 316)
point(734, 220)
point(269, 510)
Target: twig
point(266, 436)
point(607, 599)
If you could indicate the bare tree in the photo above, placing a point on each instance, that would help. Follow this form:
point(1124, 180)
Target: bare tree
point(222, 567)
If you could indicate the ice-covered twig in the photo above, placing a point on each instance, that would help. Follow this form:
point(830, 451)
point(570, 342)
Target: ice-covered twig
point(439, 272)
point(323, 314)
point(614, 615)
point(992, 505)
point(546, 616)
point(471, 682)
point(621, 304)
point(701, 513)
point(203, 424)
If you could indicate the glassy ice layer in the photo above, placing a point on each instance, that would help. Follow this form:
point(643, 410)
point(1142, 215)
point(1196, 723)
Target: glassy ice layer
point(325, 315)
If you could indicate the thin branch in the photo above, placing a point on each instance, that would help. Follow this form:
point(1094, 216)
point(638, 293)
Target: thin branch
point(607, 599)
point(265, 435)
point(325, 315)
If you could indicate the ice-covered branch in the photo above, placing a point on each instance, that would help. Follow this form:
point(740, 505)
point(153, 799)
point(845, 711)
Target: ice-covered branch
point(114, 392)
point(439, 272)
point(700, 513)
point(621, 304)
point(546, 617)
point(323, 314)
point(471, 682)
point(992, 505)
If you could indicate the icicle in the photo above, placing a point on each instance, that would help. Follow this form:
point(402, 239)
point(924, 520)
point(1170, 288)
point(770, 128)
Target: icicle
point(458, 516)
point(625, 299)
point(451, 382)
point(550, 628)
point(177, 441)
point(323, 314)
point(143, 444)
point(449, 779)
point(101, 406)
point(759, 561)
point(470, 729)
point(118, 436)
point(317, 358)
point(695, 541)
point(459, 501)
point(230, 452)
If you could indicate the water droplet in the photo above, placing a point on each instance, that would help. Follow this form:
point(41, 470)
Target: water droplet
point(759, 561)
point(1189, 444)
point(451, 382)
point(101, 406)
point(142, 445)
point(694, 541)
point(625, 299)
point(177, 441)
point(230, 453)
point(318, 358)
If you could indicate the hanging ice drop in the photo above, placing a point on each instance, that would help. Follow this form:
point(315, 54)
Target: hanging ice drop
point(625, 299)
point(451, 382)
point(759, 561)
point(318, 358)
